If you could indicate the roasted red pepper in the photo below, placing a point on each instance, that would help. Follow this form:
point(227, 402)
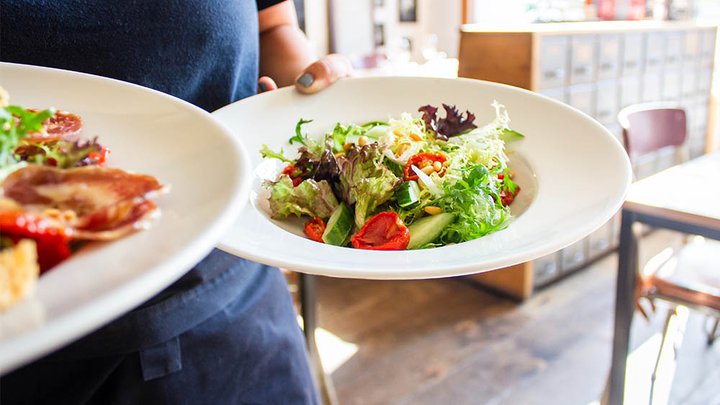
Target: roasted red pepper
point(384, 231)
point(294, 173)
point(421, 160)
point(53, 242)
point(314, 229)
point(507, 197)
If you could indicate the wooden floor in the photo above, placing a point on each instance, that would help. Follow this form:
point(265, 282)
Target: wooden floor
point(447, 341)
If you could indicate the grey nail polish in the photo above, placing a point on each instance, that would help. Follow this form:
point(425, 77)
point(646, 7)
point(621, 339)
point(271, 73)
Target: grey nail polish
point(306, 79)
point(263, 87)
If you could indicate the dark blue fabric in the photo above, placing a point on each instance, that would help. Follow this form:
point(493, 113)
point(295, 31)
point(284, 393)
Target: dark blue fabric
point(203, 51)
point(224, 333)
point(244, 354)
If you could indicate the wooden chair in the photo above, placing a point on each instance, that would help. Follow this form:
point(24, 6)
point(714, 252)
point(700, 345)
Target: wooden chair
point(688, 275)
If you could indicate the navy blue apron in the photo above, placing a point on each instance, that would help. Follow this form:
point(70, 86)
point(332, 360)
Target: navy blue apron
point(226, 331)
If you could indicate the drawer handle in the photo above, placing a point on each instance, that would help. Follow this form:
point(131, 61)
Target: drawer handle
point(603, 114)
point(607, 66)
point(653, 61)
point(581, 70)
point(554, 74)
point(630, 64)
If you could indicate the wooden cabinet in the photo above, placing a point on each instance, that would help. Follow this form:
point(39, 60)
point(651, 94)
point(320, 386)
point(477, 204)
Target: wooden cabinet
point(598, 68)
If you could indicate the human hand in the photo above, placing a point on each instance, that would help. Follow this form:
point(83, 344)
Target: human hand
point(319, 75)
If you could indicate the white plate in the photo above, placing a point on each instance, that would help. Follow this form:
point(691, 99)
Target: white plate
point(147, 132)
point(572, 171)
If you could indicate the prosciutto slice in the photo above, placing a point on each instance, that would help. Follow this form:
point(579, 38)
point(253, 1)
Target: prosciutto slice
point(98, 203)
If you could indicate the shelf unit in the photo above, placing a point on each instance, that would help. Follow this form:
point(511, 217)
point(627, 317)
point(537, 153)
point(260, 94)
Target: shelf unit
point(598, 68)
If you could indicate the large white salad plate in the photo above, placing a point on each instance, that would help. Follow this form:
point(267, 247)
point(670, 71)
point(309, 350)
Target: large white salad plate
point(147, 132)
point(573, 174)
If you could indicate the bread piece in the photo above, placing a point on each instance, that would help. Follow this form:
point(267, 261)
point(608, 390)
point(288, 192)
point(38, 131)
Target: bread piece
point(19, 272)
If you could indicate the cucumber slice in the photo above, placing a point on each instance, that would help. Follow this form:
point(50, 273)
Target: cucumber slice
point(427, 229)
point(377, 131)
point(407, 194)
point(338, 226)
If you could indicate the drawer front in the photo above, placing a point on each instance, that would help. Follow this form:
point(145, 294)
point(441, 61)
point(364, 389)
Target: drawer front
point(652, 86)
point(600, 241)
point(573, 256)
point(633, 54)
point(655, 49)
point(553, 61)
point(689, 86)
point(607, 101)
point(671, 85)
point(545, 269)
point(608, 65)
point(708, 43)
point(582, 97)
point(630, 91)
point(582, 58)
point(704, 82)
point(674, 51)
point(691, 44)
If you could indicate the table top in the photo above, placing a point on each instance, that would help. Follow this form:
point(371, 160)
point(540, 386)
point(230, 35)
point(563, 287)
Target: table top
point(689, 192)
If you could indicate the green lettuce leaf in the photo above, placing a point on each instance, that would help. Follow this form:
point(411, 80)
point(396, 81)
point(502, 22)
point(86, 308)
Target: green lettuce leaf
point(365, 181)
point(475, 201)
point(313, 198)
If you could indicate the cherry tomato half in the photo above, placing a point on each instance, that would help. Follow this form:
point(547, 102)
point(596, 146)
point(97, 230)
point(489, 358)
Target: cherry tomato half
point(384, 231)
point(314, 229)
point(53, 242)
point(294, 173)
point(422, 160)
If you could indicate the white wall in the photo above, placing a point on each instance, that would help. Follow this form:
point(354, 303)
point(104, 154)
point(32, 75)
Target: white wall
point(354, 21)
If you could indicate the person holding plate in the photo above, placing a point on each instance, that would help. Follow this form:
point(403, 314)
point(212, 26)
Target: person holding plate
point(226, 332)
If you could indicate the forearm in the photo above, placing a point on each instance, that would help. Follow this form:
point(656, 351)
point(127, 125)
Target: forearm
point(284, 49)
point(284, 53)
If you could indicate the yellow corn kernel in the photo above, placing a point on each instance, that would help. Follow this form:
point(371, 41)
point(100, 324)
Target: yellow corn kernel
point(347, 146)
point(428, 169)
point(437, 166)
point(431, 210)
point(362, 140)
point(415, 137)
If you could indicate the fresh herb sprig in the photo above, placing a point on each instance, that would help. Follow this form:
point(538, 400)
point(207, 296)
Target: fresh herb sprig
point(15, 124)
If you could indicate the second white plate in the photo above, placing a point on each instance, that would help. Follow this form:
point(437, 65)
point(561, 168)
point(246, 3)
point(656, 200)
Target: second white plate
point(573, 173)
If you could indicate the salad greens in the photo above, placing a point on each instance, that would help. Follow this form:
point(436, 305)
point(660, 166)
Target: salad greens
point(453, 166)
point(15, 125)
point(24, 139)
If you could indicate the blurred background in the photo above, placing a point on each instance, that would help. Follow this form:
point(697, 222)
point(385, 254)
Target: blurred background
point(540, 332)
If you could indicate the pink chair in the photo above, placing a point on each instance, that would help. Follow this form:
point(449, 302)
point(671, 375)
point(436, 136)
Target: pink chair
point(688, 275)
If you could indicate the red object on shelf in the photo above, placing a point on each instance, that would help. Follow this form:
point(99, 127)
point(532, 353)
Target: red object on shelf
point(606, 9)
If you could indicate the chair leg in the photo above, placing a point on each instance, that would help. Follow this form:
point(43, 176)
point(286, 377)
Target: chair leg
point(666, 329)
point(713, 333)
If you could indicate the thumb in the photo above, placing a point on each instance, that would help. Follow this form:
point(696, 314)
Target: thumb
point(266, 84)
point(323, 72)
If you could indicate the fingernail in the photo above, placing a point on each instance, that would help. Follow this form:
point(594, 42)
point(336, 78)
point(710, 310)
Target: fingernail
point(306, 79)
point(263, 87)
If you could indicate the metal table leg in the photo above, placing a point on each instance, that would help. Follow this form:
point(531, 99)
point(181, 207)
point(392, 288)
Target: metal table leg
point(624, 307)
point(308, 310)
